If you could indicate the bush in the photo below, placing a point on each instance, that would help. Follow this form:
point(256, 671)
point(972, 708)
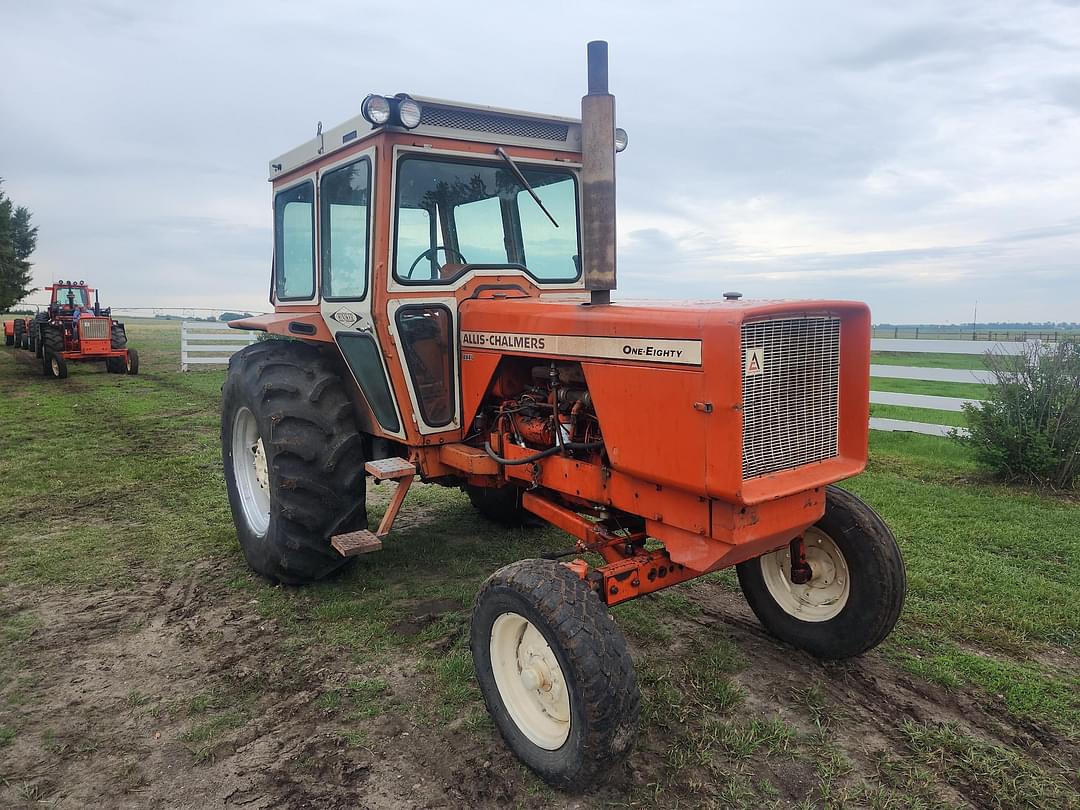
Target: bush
point(1028, 428)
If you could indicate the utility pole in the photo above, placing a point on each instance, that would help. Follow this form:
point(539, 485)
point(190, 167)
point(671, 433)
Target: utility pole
point(974, 320)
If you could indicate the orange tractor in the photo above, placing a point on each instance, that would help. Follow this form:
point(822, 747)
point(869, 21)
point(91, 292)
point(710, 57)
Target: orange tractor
point(17, 333)
point(73, 329)
point(445, 271)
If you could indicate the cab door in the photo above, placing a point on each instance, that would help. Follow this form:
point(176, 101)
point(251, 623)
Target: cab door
point(345, 206)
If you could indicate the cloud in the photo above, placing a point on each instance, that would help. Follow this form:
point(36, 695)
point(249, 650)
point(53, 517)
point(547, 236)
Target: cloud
point(918, 155)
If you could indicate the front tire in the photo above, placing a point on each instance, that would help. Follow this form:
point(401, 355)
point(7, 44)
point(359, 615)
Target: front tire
point(132, 362)
point(294, 461)
point(554, 671)
point(856, 591)
point(55, 365)
point(52, 361)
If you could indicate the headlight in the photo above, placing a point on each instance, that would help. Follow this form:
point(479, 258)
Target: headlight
point(408, 112)
point(376, 109)
point(621, 139)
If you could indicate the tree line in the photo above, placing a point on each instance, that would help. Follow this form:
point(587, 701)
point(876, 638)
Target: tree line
point(18, 238)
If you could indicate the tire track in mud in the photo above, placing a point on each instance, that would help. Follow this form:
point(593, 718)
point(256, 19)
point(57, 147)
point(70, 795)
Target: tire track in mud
point(871, 698)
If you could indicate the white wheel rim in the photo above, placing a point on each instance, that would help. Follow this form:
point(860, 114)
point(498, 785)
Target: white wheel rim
point(251, 472)
point(55, 367)
point(825, 595)
point(530, 681)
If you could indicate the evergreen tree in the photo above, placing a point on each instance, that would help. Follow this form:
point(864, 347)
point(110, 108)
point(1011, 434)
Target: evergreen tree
point(18, 238)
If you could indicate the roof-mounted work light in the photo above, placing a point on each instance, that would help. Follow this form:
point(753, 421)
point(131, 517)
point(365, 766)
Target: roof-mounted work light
point(398, 111)
point(376, 109)
point(622, 140)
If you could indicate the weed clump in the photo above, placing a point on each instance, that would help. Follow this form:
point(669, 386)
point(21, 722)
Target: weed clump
point(1027, 430)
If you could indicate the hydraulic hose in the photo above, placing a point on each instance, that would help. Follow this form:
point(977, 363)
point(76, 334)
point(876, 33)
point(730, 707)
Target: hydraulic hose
point(542, 454)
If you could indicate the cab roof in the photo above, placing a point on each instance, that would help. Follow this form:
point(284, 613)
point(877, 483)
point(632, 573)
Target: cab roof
point(445, 119)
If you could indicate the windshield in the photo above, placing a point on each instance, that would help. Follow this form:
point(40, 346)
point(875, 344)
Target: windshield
point(65, 296)
point(452, 213)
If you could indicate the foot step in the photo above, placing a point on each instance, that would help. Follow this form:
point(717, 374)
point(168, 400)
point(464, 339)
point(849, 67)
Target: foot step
point(363, 541)
point(388, 468)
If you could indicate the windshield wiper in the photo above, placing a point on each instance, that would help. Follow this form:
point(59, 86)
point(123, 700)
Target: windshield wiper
point(521, 179)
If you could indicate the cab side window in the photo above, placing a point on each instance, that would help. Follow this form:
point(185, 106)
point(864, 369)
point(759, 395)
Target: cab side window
point(344, 229)
point(294, 243)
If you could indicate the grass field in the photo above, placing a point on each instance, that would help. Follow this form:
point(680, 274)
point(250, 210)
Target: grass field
point(142, 664)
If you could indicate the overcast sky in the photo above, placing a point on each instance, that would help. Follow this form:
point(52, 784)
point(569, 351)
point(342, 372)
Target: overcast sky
point(918, 156)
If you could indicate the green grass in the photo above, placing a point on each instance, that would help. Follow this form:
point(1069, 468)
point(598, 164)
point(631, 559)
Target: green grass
point(110, 477)
point(929, 360)
point(931, 387)
point(933, 417)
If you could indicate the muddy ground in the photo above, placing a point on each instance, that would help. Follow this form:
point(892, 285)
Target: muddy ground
point(129, 687)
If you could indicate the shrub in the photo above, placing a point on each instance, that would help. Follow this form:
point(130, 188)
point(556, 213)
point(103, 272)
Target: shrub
point(1028, 428)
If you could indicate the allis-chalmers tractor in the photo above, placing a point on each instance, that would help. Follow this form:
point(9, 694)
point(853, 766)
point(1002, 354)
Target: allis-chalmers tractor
point(73, 329)
point(445, 271)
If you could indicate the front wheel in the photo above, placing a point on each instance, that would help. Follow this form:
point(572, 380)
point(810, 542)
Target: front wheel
point(555, 672)
point(55, 365)
point(132, 362)
point(855, 590)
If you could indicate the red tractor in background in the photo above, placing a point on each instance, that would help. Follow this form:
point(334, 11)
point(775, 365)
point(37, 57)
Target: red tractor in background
point(17, 333)
point(74, 330)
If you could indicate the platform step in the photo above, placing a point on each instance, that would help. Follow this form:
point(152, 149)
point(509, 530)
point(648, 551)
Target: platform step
point(388, 468)
point(363, 541)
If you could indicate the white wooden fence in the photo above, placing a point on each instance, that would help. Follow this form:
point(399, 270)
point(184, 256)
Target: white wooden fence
point(935, 403)
point(210, 343)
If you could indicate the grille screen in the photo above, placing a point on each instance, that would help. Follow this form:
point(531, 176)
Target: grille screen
point(791, 382)
point(487, 122)
point(96, 329)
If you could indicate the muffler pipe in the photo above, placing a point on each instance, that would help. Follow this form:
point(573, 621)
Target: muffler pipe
point(598, 178)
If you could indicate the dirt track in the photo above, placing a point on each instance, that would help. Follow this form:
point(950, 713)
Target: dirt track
point(119, 682)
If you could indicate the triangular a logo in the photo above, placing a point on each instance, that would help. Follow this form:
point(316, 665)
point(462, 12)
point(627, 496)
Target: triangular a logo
point(755, 362)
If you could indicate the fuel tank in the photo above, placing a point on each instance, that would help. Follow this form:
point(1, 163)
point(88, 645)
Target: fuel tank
point(743, 401)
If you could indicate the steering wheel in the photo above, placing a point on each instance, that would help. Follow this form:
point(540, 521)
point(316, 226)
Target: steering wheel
point(430, 254)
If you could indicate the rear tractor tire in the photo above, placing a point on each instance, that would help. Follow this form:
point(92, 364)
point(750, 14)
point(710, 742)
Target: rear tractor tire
point(555, 673)
point(293, 458)
point(119, 336)
point(500, 505)
point(856, 589)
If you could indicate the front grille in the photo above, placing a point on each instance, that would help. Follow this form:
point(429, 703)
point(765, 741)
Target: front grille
point(791, 392)
point(488, 122)
point(94, 328)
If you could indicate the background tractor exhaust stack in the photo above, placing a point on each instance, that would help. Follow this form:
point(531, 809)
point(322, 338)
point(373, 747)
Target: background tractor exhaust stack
point(598, 178)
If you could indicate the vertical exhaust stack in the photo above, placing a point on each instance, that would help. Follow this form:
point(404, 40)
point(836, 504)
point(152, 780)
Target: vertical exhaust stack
point(598, 178)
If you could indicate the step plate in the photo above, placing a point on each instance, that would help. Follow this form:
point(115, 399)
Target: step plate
point(360, 542)
point(385, 468)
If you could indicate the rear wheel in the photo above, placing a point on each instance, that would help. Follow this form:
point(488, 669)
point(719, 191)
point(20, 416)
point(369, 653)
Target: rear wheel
point(119, 336)
point(500, 505)
point(555, 672)
point(856, 587)
point(293, 458)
